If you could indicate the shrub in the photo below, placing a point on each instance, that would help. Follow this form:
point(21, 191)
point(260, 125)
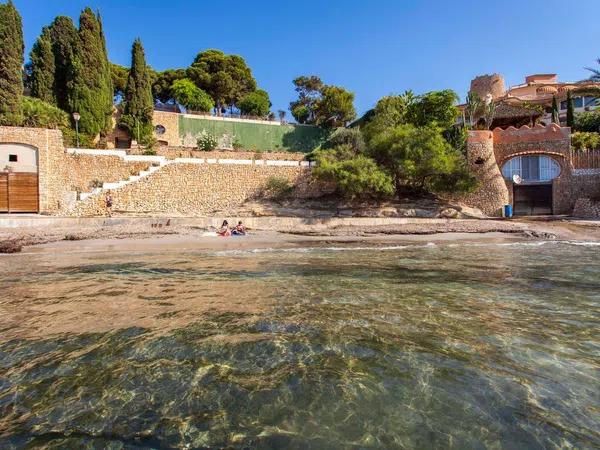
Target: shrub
point(207, 142)
point(355, 178)
point(150, 152)
point(278, 187)
point(39, 114)
point(339, 153)
point(418, 158)
point(351, 137)
point(587, 122)
point(237, 145)
point(585, 141)
point(96, 184)
point(70, 139)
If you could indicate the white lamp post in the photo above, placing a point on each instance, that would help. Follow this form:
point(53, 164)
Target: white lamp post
point(76, 117)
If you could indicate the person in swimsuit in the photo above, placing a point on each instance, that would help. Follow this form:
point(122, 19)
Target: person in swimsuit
point(224, 230)
point(239, 230)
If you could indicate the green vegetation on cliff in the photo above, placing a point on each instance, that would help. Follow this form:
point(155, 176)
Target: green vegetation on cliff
point(11, 64)
point(138, 102)
point(41, 77)
point(407, 144)
point(92, 95)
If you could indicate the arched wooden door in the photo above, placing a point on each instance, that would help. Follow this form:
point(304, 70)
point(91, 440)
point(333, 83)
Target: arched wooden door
point(19, 183)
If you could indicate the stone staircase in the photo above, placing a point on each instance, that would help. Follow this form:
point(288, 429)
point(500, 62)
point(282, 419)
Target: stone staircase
point(156, 163)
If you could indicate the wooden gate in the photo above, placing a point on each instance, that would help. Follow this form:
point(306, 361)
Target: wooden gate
point(3, 192)
point(532, 199)
point(19, 192)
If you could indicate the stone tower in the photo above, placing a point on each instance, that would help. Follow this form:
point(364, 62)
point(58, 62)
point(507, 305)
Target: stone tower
point(492, 193)
point(488, 84)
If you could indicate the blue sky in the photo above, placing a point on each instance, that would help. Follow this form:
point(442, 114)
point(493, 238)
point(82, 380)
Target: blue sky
point(370, 47)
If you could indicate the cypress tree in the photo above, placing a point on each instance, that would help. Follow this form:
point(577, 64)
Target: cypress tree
point(42, 68)
point(109, 99)
point(570, 110)
point(11, 65)
point(92, 95)
point(555, 117)
point(139, 102)
point(64, 40)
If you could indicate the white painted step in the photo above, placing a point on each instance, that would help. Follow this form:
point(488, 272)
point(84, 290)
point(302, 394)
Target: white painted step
point(116, 185)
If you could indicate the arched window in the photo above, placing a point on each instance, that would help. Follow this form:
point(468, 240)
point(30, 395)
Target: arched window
point(531, 168)
point(159, 129)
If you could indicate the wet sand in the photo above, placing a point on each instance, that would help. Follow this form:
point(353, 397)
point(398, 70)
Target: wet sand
point(143, 237)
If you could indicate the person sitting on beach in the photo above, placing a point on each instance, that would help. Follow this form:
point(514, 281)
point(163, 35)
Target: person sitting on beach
point(239, 230)
point(224, 230)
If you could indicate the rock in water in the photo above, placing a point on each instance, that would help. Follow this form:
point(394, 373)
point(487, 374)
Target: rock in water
point(10, 247)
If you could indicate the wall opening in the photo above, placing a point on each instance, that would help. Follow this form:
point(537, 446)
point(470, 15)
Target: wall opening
point(19, 189)
point(532, 177)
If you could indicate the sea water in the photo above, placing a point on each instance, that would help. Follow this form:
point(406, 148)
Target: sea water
point(425, 347)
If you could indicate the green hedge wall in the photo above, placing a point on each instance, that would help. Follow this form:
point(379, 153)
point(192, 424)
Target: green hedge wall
point(257, 136)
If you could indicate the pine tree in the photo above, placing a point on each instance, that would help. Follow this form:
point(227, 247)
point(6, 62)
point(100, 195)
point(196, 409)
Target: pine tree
point(42, 68)
point(139, 102)
point(92, 95)
point(11, 65)
point(555, 116)
point(64, 40)
point(570, 110)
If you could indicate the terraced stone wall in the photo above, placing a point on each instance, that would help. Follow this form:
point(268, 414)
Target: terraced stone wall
point(187, 189)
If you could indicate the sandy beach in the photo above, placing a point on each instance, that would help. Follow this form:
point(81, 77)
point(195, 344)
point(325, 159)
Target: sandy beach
point(143, 236)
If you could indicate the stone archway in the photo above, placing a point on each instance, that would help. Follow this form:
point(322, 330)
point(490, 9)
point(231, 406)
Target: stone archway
point(529, 177)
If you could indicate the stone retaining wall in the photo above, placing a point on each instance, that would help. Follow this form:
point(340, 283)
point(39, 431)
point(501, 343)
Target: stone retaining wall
point(185, 187)
point(567, 190)
point(198, 189)
point(587, 208)
point(81, 170)
point(187, 152)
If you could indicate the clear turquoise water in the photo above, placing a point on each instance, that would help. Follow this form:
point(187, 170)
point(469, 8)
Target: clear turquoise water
point(425, 347)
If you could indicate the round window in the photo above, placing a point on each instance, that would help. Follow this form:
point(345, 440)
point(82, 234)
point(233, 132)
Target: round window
point(159, 129)
point(531, 168)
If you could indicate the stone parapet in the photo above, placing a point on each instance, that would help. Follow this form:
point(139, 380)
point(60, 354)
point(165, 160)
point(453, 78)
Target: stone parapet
point(187, 152)
point(539, 133)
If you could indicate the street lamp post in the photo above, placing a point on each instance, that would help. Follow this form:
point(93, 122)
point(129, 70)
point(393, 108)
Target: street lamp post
point(76, 117)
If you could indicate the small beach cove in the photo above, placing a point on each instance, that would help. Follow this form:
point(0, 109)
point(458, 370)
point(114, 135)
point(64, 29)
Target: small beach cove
point(181, 233)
